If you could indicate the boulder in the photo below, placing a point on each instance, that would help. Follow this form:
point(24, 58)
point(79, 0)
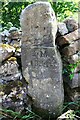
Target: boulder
point(74, 82)
point(6, 51)
point(71, 24)
point(73, 93)
point(41, 62)
point(73, 59)
point(72, 49)
point(67, 39)
point(62, 29)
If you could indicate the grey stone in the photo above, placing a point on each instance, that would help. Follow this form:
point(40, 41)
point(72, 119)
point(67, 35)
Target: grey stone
point(6, 51)
point(9, 69)
point(13, 96)
point(69, 38)
point(71, 24)
point(62, 29)
point(12, 90)
point(73, 59)
point(41, 62)
point(74, 82)
point(73, 93)
point(13, 29)
point(38, 27)
point(71, 49)
point(42, 70)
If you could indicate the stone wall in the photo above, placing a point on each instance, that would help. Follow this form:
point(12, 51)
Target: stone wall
point(68, 41)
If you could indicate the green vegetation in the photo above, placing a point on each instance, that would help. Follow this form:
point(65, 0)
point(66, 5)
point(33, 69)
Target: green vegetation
point(70, 69)
point(10, 11)
point(12, 115)
point(29, 115)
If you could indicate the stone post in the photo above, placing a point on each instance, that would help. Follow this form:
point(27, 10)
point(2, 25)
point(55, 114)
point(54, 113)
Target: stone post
point(41, 62)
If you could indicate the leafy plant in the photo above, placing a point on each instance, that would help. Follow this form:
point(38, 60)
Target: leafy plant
point(69, 69)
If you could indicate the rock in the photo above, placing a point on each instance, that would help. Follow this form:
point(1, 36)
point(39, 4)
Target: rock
point(12, 29)
point(71, 24)
point(67, 39)
point(12, 90)
point(14, 36)
point(2, 38)
point(5, 35)
point(62, 29)
point(41, 62)
point(13, 96)
point(8, 69)
point(6, 51)
point(38, 32)
point(73, 93)
point(74, 82)
point(73, 59)
point(71, 49)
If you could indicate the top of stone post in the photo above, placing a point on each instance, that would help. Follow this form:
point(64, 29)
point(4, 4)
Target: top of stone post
point(38, 23)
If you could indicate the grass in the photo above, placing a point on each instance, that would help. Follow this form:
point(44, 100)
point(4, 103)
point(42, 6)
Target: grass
point(29, 115)
point(12, 115)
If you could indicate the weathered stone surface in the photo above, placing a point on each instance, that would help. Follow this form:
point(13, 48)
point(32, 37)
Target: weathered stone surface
point(42, 70)
point(71, 49)
point(39, 27)
point(73, 94)
point(73, 59)
point(12, 91)
point(71, 24)
point(6, 51)
point(13, 95)
point(62, 29)
point(67, 39)
point(75, 82)
point(41, 62)
point(8, 69)
point(15, 36)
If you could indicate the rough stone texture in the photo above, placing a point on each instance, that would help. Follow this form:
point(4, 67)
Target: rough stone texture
point(15, 36)
point(13, 94)
point(71, 49)
point(71, 24)
point(38, 25)
point(11, 36)
point(8, 68)
point(72, 59)
point(73, 93)
point(12, 90)
point(62, 29)
point(41, 62)
point(3, 35)
point(75, 82)
point(67, 39)
point(6, 51)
